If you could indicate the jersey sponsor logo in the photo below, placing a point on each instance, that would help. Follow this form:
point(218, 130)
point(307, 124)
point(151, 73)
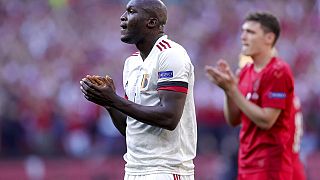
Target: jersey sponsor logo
point(277, 95)
point(165, 74)
point(163, 45)
point(144, 81)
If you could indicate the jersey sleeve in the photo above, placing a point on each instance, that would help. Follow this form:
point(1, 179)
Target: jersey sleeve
point(125, 77)
point(279, 87)
point(173, 71)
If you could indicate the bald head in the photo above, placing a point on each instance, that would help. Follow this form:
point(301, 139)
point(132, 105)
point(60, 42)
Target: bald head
point(154, 8)
point(142, 21)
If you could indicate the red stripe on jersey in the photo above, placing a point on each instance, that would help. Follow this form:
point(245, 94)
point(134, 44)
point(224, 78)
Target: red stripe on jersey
point(159, 47)
point(166, 43)
point(176, 177)
point(174, 88)
point(162, 45)
point(126, 97)
point(135, 54)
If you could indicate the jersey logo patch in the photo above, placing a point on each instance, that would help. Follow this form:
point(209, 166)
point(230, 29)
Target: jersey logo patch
point(165, 74)
point(144, 81)
point(277, 95)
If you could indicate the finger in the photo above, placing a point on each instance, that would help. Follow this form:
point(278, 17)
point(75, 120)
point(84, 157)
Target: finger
point(110, 80)
point(96, 80)
point(89, 87)
point(223, 65)
point(221, 61)
point(86, 92)
point(107, 81)
point(83, 91)
point(211, 78)
point(96, 101)
point(89, 98)
point(89, 84)
point(99, 80)
point(214, 72)
point(227, 69)
point(87, 79)
point(209, 69)
point(90, 78)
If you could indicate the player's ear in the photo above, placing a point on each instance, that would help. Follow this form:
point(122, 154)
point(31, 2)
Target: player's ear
point(270, 37)
point(152, 22)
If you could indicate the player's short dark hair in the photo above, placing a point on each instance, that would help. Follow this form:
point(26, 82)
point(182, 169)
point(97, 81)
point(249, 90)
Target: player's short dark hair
point(268, 21)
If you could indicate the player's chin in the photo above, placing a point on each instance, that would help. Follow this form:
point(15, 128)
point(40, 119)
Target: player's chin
point(245, 52)
point(126, 39)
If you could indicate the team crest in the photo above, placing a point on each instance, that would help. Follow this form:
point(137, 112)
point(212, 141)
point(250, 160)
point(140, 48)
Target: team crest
point(144, 81)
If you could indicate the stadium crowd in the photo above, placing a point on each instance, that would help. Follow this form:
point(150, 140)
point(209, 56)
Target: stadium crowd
point(46, 47)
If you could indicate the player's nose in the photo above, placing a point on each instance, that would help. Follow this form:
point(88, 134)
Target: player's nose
point(243, 36)
point(123, 17)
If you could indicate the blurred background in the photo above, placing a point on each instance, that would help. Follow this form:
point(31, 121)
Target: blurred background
point(49, 131)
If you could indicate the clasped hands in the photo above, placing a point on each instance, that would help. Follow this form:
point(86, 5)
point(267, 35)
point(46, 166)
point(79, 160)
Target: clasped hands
point(99, 90)
point(221, 75)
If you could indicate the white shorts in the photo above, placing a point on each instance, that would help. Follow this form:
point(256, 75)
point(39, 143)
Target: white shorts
point(158, 177)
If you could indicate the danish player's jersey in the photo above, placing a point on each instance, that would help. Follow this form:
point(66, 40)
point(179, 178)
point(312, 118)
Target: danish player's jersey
point(270, 150)
point(152, 149)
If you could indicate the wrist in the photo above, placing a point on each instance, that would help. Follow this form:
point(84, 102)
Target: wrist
point(113, 99)
point(231, 91)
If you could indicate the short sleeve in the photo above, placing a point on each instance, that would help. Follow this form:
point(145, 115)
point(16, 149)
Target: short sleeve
point(125, 75)
point(174, 71)
point(279, 87)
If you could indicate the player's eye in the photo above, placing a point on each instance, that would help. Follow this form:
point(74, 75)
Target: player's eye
point(130, 11)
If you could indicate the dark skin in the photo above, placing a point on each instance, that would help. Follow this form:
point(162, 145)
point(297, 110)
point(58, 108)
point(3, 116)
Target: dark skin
point(142, 24)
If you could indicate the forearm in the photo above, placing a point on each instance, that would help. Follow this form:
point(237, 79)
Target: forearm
point(153, 115)
point(255, 113)
point(119, 119)
point(231, 112)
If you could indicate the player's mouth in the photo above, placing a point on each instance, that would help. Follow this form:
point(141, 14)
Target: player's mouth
point(245, 45)
point(123, 27)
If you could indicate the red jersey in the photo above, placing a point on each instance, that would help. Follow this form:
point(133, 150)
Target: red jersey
point(267, 150)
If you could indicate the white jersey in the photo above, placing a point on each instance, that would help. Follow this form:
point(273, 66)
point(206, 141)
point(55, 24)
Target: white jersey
point(151, 149)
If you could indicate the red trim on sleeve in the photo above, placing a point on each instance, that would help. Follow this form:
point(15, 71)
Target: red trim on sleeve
point(174, 88)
